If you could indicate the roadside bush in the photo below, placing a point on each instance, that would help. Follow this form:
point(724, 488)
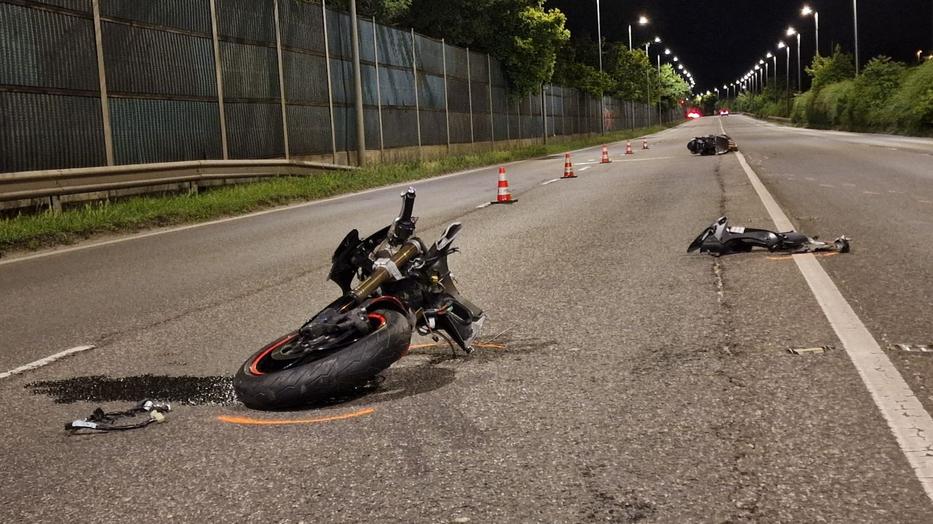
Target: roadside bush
point(801, 107)
point(830, 105)
point(871, 93)
point(910, 109)
point(827, 70)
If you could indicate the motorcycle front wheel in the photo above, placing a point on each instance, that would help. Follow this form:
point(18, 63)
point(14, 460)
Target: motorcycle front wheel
point(266, 382)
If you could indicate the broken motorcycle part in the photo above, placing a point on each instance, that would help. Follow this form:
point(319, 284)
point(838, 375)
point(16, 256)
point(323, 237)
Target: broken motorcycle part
point(712, 145)
point(121, 420)
point(721, 239)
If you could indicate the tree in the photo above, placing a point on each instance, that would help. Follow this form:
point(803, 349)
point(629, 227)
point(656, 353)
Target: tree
point(826, 70)
point(522, 34)
point(632, 72)
point(673, 87)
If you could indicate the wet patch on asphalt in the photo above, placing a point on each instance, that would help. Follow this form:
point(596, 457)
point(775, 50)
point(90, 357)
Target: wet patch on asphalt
point(431, 371)
point(187, 390)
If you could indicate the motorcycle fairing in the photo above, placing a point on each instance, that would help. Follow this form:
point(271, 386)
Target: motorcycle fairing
point(720, 239)
point(351, 256)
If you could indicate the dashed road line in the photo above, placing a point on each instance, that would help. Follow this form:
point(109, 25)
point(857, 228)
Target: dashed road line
point(549, 182)
point(906, 417)
point(44, 361)
point(484, 205)
point(827, 185)
point(870, 193)
point(582, 169)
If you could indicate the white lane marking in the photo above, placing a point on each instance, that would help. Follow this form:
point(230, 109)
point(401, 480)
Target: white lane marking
point(925, 202)
point(481, 206)
point(550, 182)
point(905, 415)
point(582, 169)
point(827, 185)
point(809, 179)
point(870, 193)
point(647, 159)
point(44, 361)
point(848, 184)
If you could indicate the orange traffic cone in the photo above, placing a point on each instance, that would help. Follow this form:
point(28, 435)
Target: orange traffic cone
point(605, 159)
point(568, 167)
point(644, 143)
point(505, 196)
point(628, 148)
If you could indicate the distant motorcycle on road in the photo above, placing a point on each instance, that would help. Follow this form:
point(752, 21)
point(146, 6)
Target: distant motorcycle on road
point(402, 286)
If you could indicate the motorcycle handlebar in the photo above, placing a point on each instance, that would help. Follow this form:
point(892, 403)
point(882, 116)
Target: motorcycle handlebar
point(404, 225)
point(408, 205)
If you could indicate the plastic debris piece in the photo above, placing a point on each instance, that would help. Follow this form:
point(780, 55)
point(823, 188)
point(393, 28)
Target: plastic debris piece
point(101, 421)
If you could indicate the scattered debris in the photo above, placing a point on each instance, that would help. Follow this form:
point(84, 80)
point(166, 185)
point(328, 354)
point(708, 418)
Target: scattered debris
point(121, 420)
point(805, 351)
point(712, 145)
point(721, 239)
point(914, 348)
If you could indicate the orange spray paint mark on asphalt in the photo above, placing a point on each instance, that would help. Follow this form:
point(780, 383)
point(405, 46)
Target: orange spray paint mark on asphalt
point(478, 345)
point(248, 421)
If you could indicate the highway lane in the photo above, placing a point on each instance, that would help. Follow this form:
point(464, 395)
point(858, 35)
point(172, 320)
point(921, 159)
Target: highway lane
point(90, 296)
point(636, 381)
point(879, 190)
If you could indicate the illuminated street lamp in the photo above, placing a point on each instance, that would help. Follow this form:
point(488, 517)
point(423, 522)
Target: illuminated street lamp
point(791, 32)
point(642, 20)
point(807, 11)
point(772, 56)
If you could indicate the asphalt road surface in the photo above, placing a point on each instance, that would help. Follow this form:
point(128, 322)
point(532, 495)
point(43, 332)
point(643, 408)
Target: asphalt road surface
point(620, 378)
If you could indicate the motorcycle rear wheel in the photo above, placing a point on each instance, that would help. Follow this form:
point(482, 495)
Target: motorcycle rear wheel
point(261, 384)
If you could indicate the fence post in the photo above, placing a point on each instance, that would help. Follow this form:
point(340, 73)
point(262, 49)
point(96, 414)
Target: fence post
point(414, 71)
point(382, 143)
point(102, 79)
point(470, 93)
point(446, 94)
point(330, 83)
point(518, 105)
point(492, 120)
point(357, 86)
point(218, 73)
point(544, 113)
point(278, 51)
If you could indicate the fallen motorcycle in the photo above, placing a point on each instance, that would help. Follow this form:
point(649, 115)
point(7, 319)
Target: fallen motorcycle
point(712, 145)
point(721, 239)
point(402, 285)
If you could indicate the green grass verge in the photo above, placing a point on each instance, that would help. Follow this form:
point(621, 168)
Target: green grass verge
point(34, 231)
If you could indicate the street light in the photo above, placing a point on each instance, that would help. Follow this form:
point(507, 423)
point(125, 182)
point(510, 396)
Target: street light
point(642, 20)
point(782, 45)
point(772, 56)
point(807, 11)
point(855, 21)
point(791, 32)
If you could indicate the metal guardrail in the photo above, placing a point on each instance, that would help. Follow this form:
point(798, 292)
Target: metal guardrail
point(27, 185)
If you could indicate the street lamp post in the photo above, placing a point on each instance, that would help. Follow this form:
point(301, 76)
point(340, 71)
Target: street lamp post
point(791, 32)
point(782, 45)
point(599, 37)
point(657, 40)
point(855, 21)
point(774, 58)
point(642, 20)
point(807, 11)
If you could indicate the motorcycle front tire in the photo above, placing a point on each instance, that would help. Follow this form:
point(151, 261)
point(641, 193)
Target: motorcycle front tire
point(319, 380)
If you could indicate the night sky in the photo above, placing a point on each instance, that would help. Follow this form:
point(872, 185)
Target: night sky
point(719, 41)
